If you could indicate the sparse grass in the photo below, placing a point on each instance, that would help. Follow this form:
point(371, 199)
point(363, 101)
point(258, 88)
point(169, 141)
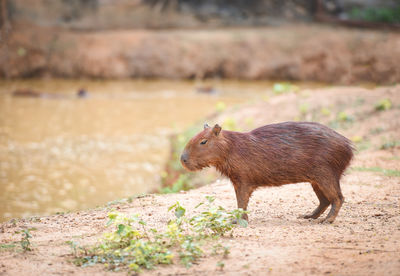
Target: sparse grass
point(363, 145)
point(390, 144)
point(342, 120)
point(359, 101)
point(230, 124)
point(284, 87)
point(387, 15)
point(181, 184)
point(6, 246)
point(383, 104)
point(392, 158)
point(220, 106)
point(325, 111)
point(134, 246)
point(175, 176)
point(357, 139)
point(304, 108)
point(376, 130)
point(24, 243)
point(25, 240)
point(344, 117)
point(386, 172)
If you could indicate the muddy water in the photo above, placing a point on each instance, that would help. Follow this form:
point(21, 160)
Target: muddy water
point(60, 153)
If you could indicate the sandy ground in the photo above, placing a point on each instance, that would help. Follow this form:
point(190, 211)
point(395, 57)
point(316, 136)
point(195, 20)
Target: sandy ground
point(364, 239)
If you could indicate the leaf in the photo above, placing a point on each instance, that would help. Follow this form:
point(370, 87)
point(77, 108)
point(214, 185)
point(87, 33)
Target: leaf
point(243, 222)
point(173, 206)
point(179, 211)
point(210, 199)
point(112, 216)
point(121, 228)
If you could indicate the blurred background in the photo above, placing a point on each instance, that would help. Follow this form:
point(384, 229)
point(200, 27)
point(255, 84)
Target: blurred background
point(98, 97)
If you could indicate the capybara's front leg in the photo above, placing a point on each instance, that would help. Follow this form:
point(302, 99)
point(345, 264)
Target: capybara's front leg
point(243, 194)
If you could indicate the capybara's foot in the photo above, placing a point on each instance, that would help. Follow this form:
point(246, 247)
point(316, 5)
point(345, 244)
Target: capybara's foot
point(329, 220)
point(309, 216)
point(326, 221)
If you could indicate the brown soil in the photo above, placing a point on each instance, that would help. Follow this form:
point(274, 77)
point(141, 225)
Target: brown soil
point(364, 239)
point(300, 52)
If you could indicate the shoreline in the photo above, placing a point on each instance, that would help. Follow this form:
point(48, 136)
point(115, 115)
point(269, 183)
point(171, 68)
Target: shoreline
point(290, 52)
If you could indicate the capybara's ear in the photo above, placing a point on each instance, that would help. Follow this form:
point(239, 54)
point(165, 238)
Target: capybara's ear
point(206, 126)
point(216, 129)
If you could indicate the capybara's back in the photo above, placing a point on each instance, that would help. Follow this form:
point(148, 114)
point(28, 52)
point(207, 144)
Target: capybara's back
point(296, 152)
point(274, 155)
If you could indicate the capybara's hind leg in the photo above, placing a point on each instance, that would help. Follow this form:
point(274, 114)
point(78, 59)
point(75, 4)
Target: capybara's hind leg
point(323, 203)
point(334, 194)
point(336, 205)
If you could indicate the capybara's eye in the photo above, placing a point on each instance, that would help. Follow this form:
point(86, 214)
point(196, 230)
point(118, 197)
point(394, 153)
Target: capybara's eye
point(203, 142)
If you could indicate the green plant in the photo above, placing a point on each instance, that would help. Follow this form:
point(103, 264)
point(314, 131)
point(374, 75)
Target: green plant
point(132, 245)
point(220, 106)
point(390, 144)
point(376, 130)
point(25, 242)
point(325, 111)
point(221, 265)
point(344, 117)
point(284, 87)
point(181, 184)
point(357, 139)
point(230, 124)
point(175, 178)
point(387, 15)
point(216, 220)
point(74, 247)
point(383, 104)
point(6, 246)
point(386, 172)
point(304, 108)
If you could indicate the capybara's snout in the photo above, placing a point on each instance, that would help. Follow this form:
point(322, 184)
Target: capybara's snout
point(184, 158)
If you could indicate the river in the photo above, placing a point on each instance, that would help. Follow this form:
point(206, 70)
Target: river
point(61, 153)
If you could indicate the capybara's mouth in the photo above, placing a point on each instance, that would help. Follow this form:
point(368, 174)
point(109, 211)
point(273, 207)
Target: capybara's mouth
point(191, 167)
point(188, 167)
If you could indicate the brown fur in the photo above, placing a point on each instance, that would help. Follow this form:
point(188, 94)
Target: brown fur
point(275, 155)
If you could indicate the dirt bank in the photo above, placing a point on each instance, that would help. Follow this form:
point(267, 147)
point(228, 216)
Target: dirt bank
point(300, 52)
point(364, 240)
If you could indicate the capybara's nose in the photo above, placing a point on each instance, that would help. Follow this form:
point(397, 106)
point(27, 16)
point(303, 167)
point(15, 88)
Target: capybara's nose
point(184, 157)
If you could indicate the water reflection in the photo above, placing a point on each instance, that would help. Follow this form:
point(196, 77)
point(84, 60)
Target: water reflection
point(63, 153)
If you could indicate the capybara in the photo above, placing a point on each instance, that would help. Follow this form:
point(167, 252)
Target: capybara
point(274, 155)
point(81, 93)
point(26, 93)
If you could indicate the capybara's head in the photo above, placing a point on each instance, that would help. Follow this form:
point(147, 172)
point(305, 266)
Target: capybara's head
point(204, 149)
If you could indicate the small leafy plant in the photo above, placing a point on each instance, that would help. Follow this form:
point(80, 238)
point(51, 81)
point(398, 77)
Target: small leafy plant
point(382, 105)
point(25, 242)
point(284, 87)
point(181, 184)
point(134, 246)
point(386, 15)
point(390, 144)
